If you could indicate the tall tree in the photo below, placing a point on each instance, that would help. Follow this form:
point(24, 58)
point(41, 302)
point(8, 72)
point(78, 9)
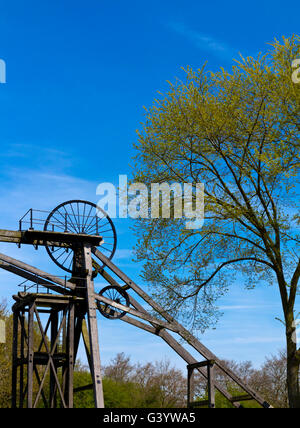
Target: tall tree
point(238, 133)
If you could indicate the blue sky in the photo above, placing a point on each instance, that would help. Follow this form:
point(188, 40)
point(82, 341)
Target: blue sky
point(78, 76)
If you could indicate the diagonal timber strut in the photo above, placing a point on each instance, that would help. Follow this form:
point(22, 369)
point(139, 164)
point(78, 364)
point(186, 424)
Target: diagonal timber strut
point(175, 326)
point(155, 325)
point(168, 338)
point(34, 274)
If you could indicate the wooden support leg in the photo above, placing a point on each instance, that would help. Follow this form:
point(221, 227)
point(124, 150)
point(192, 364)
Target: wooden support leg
point(93, 330)
point(30, 357)
point(14, 362)
point(53, 387)
point(22, 356)
point(71, 328)
point(65, 349)
point(211, 384)
point(190, 387)
point(77, 333)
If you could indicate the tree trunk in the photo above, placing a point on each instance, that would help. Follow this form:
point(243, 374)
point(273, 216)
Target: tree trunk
point(292, 365)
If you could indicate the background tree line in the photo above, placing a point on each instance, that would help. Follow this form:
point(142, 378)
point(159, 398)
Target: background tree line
point(153, 385)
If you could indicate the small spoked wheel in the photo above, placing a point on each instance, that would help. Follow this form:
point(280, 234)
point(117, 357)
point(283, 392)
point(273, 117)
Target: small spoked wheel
point(118, 295)
point(79, 217)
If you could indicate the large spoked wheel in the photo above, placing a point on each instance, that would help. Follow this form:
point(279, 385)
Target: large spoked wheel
point(118, 295)
point(79, 217)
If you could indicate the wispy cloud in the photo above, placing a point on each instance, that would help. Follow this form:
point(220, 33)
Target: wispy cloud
point(39, 190)
point(257, 339)
point(242, 307)
point(204, 42)
point(247, 340)
point(124, 254)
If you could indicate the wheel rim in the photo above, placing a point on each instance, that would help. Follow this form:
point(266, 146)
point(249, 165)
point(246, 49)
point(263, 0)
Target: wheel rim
point(117, 295)
point(83, 217)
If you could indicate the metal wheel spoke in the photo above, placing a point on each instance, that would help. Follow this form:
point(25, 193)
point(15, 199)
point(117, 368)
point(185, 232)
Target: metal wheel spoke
point(71, 264)
point(85, 223)
point(103, 231)
point(107, 249)
point(57, 249)
point(79, 217)
point(60, 256)
point(78, 227)
point(62, 224)
point(66, 259)
point(116, 294)
point(98, 222)
point(90, 225)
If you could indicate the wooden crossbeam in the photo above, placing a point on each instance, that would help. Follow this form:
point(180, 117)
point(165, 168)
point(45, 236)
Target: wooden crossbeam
point(42, 238)
point(59, 238)
point(84, 388)
point(201, 364)
point(200, 403)
point(12, 236)
point(246, 397)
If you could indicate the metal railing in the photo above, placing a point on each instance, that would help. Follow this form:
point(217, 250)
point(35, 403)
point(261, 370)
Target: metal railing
point(36, 219)
point(38, 286)
point(33, 218)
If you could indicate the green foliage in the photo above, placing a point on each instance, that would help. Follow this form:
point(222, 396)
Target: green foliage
point(238, 133)
point(141, 386)
point(116, 394)
point(83, 399)
point(222, 403)
point(122, 394)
